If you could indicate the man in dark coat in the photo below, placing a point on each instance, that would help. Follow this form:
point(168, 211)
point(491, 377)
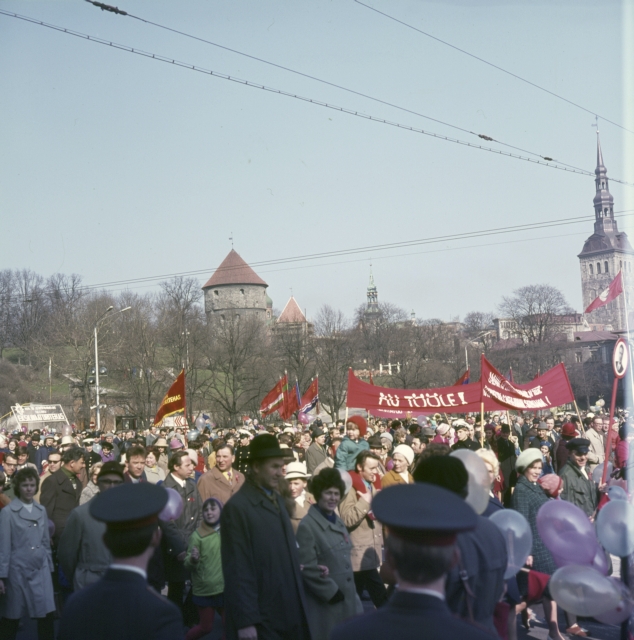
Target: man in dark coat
point(464, 441)
point(568, 432)
point(242, 452)
point(181, 468)
point(61, 490)
point(579, 488)
point(483, 557)
point(316, 452)
point(121, 605)
point(423, 522)
point(264, 594)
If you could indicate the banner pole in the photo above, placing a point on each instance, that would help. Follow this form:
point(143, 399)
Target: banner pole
point(608, 440)
point(482, 423)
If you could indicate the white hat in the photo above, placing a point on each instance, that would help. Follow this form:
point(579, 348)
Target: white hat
point(388, 436)
point(244, 432)
point(589, 415)
point(193, 456)
point(289, 430)
point(296, 470)
point(526, 459)
point(406, 451)
point(460, 423)
point(67, 440)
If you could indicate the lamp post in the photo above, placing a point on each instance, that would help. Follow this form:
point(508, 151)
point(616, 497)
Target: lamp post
point(107, 311)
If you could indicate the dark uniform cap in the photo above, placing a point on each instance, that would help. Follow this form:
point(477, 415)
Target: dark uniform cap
point(129, 506)
point(578, 445)
point(266, 446)
point(423, 513)
point(316, 432)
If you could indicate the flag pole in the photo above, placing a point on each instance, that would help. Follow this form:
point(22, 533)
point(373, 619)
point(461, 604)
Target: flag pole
point(627, 328)
point(482, 423)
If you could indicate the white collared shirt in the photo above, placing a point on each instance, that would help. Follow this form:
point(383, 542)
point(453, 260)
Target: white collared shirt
point(128, 567)
point(180, 482)
point(422, 591)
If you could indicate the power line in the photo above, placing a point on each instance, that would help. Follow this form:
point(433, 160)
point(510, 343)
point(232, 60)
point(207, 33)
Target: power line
point(116, 10)
point(491, 64)
point(359, 250)
point(248, 83)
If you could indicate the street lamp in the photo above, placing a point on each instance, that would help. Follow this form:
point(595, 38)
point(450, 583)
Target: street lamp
point(106, 312)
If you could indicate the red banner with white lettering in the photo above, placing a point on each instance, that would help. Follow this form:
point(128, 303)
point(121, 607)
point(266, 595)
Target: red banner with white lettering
point(174, 400)
point(386, 402)
point(549, 390)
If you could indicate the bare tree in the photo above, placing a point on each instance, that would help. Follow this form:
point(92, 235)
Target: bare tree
point(334, 354)
point(293, 344)
point(534, 310)
point(376, 336)
point(8, 298)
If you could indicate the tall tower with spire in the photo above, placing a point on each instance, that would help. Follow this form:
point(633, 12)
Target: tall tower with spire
point(606, 252)
point(372, 304)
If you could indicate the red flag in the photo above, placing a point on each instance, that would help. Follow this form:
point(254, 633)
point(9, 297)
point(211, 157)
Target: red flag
point(614, 290)
point(174, 400)
point(291, 402)
point(274, 399)
point(464, 378)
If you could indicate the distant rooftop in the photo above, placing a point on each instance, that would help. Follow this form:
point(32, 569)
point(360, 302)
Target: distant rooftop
point(234, 270)
point(292, 313)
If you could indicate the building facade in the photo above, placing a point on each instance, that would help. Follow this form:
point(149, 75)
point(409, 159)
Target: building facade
point(606, 252)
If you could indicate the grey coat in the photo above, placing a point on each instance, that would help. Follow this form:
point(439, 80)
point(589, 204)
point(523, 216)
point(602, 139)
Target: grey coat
point(81, 551)
point(315, 455)
point(26, 562)
point(263, 583)
point(527, 499)
point(323, 543)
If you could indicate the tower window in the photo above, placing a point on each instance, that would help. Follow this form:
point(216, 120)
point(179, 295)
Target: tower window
point(620, 264)
point(605, 266)
point(242, 290)
point(216, 292)
point(598, 268)
point(591, 270)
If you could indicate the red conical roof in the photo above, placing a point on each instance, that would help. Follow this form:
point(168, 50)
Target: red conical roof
point(292, 313)
point(234, 270)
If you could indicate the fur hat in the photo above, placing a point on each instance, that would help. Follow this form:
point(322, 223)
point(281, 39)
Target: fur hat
point(526, 459)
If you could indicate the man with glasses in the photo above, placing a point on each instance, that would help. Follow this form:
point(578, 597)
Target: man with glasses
point(51, 465)
point(82, 553)
point(9, 466)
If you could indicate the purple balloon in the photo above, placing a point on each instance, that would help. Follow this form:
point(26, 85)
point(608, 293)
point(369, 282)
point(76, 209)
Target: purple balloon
point(303, 418)
point(51, 528)
point(567, 533)
point(622, 611)
point(174, 506)
point(601, 561)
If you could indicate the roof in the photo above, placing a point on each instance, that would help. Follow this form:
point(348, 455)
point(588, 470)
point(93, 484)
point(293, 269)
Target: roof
point(292, 313)
point(594, 336)
point(234, 270)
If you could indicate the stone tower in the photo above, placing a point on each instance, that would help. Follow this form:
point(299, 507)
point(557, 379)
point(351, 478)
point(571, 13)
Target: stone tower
point(236, 289)
point(606, 252)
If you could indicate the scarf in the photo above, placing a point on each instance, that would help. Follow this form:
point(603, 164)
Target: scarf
point(205, 529)
point(359, 485)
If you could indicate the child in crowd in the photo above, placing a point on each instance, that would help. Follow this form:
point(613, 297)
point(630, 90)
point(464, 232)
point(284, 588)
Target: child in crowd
point(203, 560)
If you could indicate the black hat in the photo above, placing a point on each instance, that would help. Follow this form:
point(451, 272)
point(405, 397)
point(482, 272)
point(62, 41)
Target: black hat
point(375, 442)
point(318, 423)
point(111, 467)
point(423, 513)
point(266, 446)
point(129, 506)
point(107, 445)
point(578, 445)
point(316, 432)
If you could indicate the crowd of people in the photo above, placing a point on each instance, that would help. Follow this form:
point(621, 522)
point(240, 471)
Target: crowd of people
point(289, 531)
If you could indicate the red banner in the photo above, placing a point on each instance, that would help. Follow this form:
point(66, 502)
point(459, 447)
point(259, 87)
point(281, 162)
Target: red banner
point(550, 390)
point(274, 399)
point(174, 400)
point(386, 402)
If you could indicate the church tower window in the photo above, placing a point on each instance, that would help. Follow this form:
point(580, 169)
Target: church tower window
point(598, 268)
point(591, 270)
point(605, 266)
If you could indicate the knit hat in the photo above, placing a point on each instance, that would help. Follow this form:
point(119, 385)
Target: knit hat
point(552, 484)
point(406, 451)
point(442, 428)
point(444, 471)
point(526, 459)
point(388, 436)
point(360, 422)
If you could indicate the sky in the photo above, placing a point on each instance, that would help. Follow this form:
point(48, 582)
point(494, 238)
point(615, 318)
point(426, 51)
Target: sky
point(119, 167)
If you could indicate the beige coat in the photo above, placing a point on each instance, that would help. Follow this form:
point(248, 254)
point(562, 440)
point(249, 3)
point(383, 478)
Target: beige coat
point(366, 534)
point(213, 484)
point(323, 543)
point(596, 453)
point(392, 478)
point(299, 511)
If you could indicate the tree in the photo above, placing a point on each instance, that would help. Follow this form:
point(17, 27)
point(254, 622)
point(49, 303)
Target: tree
point(534, 310)
point(376, 336)
point(334, 354)
point(8, 300)
point(293, 344)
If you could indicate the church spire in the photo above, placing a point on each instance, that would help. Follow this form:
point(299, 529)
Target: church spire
point(603, 200)
point(372, 305)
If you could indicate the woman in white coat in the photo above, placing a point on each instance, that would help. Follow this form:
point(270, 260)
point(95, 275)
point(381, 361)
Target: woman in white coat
point(324, 541)
point(26, 562)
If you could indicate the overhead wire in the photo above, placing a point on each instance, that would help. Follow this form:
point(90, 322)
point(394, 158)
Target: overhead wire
point(355, 251)
point(491, 64)
point(116, 10)
point(223, 76)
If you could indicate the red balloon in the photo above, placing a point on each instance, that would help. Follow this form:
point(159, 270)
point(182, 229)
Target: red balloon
point(174, 507)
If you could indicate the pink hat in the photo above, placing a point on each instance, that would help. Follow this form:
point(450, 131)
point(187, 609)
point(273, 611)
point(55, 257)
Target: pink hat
point(552, 484)
point(442, 428)
point(175, 443)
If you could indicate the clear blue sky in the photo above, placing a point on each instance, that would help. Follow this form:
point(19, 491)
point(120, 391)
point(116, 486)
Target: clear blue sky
point(114, 166)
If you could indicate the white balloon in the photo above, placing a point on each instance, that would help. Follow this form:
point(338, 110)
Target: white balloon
point(617, 493)
point(518, 537)
point(615, 527)
point(479, 481)
point(583, 591)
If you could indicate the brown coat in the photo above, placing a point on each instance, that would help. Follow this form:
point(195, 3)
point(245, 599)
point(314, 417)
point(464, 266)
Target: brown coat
point(213, 484)
point(366, 533)
point(392, 478)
